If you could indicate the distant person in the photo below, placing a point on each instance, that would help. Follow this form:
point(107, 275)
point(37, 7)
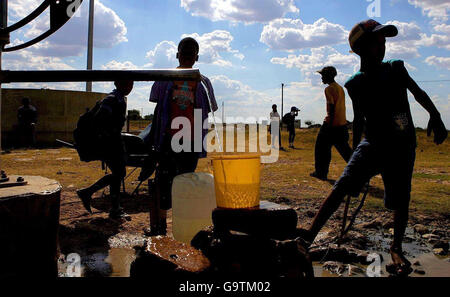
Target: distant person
point(334, 129)
point(27, 120)
point(173, 100)
point(289, 120)
point(380, 100)
point(110, 120)
point(275, 119)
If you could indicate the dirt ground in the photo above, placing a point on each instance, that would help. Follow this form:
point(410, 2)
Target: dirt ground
point(286, 182)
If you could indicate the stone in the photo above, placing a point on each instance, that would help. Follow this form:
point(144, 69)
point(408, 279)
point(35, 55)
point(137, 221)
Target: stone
point(440, 252)
point(419, 271)
point(162, 257)
point(355, 270)
point(269, 220)
point(442, 244)
point(234, 254)
point(374, 224)
point(421, 229)
point(417, 263)
point(334, 267)
point(430, 236)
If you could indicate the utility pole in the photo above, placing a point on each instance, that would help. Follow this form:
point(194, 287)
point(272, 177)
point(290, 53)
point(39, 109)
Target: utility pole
point(223, 112)
point(90, 47)
point(282, 100)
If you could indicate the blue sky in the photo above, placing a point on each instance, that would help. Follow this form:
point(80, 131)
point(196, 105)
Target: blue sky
point(248, 48)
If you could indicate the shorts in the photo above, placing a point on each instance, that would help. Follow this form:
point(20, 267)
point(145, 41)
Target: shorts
point(394, 164)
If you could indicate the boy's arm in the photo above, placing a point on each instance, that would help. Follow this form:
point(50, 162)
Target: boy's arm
point(330, 105)
point(435, 123)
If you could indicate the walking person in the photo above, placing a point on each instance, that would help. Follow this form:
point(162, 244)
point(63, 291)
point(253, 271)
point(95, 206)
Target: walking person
point(334, 131)
point(380, 100)
point(289, 120)
point(109, 121)
point(275, 121)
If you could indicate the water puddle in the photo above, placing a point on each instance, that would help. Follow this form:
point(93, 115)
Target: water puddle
point(419, 253)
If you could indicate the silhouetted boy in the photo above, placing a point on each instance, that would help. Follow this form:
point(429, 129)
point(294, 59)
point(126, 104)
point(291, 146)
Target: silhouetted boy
point(177, 99)
point(334, 129)
point(110, 119)
point(380, 101)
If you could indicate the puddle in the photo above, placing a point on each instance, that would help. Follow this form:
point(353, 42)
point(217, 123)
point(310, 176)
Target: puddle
point(115, 262)
point(416, 250)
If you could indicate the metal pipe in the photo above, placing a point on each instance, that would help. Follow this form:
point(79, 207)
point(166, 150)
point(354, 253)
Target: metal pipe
point(29, 18)
point(90, 46)
point(98, 75)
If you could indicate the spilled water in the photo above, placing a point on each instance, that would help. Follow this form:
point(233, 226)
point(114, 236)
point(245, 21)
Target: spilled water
point(419, 253)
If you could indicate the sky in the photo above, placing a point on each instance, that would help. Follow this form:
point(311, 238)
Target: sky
point(248, 48)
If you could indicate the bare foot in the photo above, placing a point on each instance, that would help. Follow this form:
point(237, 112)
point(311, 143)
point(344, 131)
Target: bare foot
point(400, 266)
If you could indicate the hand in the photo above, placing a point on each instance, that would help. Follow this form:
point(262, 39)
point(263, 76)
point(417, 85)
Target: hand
point(436, 126)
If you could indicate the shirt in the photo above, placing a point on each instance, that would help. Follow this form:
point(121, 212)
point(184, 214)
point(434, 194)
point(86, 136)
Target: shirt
point(274, 116)
point(182, 103)
point(335, 96)
point(383, 100)
point(112, 113)
point(161, 93)
point(26, 115)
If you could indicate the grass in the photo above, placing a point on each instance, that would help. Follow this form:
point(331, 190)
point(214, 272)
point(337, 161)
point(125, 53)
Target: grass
point(287, 179)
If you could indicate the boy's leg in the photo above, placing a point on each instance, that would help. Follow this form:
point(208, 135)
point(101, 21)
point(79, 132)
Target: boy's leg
point(397, 178)
point(361, 167)
point(86, 194)
point(329, 206)
point(341, 138)
point(322, 153)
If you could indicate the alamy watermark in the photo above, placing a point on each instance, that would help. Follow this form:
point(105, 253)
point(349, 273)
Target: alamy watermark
point(374, 9)
point(233, 137)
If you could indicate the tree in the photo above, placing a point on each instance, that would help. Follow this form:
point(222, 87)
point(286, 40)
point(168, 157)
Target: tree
point(134, 115)
point(149, 117)
point(309, 123)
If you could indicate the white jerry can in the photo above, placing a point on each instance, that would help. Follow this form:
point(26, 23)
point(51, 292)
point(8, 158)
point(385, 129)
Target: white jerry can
point(193, 200)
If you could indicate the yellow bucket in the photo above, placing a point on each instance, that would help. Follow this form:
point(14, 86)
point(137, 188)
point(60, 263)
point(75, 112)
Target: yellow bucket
point(237, 180)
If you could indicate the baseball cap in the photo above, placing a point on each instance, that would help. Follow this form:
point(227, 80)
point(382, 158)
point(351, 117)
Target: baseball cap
point(362, 29)
point(330, 70)
point(293, 108)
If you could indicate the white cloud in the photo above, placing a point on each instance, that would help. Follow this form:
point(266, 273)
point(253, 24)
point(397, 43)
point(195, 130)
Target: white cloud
point(435, 9)
point(320, 57)
point(248, 11)
point(71, 39)
point(440, 62)
point(115, 65)
point(293, 34)
point(163, 55)
point(213, 46)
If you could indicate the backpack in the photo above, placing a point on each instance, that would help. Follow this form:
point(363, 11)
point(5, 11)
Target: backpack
point(86, 137)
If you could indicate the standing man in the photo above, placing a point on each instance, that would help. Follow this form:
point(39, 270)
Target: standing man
point(334, 129)
point(175, 100)
point(27, 119)
point(289, 120)
point(109, 121)
point(275, 119)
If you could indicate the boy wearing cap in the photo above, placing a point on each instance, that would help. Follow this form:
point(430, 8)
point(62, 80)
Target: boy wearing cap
point(289, 120)
point(380, 102)
point(334, 129)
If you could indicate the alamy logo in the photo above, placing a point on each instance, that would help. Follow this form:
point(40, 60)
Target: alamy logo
point(374, 9)
point(374, 269)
